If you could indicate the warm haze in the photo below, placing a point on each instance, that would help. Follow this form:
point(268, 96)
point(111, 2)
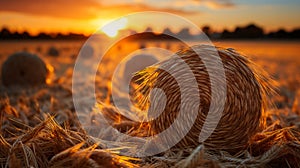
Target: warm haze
point(86, 16)
point(155, 91)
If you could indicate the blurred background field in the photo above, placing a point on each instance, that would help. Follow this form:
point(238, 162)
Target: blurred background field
point(280, 58)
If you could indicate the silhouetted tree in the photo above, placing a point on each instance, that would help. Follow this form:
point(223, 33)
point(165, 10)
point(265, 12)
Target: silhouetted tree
point(43, 36)
point(295, 33)
point(250, 31)
point(148, 29)
point(5, 33)
point(184, 33)
point(25, 35)
point(207, 30)
point(226, 34)
point(168, 31)
point(281, 34)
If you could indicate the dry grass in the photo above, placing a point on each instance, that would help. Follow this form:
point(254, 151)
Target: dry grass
point(31, 137)
point(38, 128)
point(50, 145)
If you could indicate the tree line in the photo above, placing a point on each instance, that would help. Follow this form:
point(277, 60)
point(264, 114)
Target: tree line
point(250, 31)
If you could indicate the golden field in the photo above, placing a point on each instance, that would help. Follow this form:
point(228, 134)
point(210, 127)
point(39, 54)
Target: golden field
point(39, 126)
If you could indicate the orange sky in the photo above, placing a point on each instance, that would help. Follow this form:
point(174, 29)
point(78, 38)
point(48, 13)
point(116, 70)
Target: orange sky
point(86, 16)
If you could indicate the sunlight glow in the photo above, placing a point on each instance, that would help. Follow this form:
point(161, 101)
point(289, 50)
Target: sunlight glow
point(113, 28)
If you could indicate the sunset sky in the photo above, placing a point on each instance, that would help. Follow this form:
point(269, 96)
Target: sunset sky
point(86, 16)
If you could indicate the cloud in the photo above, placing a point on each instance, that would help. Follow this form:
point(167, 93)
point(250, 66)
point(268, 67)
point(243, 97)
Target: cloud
point(83, 9)
point(55, 8)
point(139, 7)
point(216, 4)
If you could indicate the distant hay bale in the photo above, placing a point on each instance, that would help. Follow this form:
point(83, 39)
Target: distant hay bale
point(52, 51)
point(124, 76)
point(23, 68)
point(38, 49)
point(137, 63)
point(87, 51)
point(247, 89)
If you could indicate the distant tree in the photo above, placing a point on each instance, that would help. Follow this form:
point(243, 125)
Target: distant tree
point(184, 33)
point(295, 33)
point(250, 31)
point(281, 33)
point(16, 35)
point(25, 35)
point(207, 30)
point(5, 33)
point(226, 34)
point(60, 36)
point(149, 29)
point(168, 31)
point(43, 36)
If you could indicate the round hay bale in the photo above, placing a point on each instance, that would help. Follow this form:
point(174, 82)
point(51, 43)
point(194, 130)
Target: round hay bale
point(243, 114)
point(135, 64)
point(87, 51)
point(23, 68)
point(52, 51)
point(125, 74)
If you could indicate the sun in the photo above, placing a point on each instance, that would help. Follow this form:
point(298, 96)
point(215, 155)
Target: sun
point(111, 29)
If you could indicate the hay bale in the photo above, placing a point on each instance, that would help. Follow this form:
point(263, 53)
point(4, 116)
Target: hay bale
point(87, 51)
point(137, 63)
point(52, 51)
point(23, 68)
point(124, 76)
point(243, 114)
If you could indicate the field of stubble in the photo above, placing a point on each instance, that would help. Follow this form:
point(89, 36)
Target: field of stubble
point(38, 125)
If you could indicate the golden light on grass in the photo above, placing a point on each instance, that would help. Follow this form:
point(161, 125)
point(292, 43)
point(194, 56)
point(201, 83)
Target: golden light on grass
point(50, 70)
point(113, 28)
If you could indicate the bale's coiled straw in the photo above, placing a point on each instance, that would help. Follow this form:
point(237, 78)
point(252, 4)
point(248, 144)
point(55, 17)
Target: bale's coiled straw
point(248, 88)
point(245, 105)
